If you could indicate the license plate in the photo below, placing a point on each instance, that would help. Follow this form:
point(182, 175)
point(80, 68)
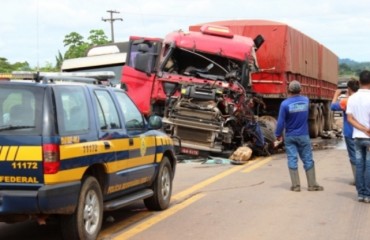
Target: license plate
point(189, 151)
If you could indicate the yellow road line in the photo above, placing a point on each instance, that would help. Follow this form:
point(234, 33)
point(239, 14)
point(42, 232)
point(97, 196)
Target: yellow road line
point(248, 167)
point(157, 218)
point(123, 224)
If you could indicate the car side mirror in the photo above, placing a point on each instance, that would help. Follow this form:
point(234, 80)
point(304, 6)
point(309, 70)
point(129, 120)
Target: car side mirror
point(155, 122)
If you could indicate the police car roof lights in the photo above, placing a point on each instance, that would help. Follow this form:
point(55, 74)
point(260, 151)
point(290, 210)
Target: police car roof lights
point(83, 77)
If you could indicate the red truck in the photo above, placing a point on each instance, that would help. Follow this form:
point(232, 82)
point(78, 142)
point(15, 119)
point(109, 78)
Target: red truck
point(289, 54)
point(217, 83)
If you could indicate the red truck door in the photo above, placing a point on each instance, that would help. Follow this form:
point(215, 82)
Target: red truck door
point(138, 74)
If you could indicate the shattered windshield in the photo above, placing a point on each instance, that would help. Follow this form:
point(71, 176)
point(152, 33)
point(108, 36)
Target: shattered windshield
point(202, 65)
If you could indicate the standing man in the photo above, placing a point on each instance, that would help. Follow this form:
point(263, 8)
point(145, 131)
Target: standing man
point(358, 113)
point(341, 105)
point(293, 117)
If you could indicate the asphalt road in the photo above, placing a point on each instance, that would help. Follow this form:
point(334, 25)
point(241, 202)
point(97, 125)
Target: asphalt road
point(253, 201)
point(217, 200)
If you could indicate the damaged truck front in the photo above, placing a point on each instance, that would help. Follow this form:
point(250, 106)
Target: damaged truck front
point(198, 81)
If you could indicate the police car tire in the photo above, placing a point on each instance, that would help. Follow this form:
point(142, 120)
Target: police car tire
point(73, 226)
point(162, 187)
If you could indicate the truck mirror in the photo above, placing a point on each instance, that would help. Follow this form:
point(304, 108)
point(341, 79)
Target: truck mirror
point(258, 41)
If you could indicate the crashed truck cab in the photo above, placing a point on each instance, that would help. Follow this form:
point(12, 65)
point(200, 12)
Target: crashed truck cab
point(198, 81)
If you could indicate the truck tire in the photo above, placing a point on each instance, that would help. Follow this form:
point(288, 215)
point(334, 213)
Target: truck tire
point(321, 121)
point(313, 123)
point(268, 127)
point(162, 187)
point(328, 117)
point(313, 128)
point(86, 221)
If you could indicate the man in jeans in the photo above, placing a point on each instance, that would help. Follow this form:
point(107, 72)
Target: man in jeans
point(341, 105)
point(358, 114)
point(293, 117)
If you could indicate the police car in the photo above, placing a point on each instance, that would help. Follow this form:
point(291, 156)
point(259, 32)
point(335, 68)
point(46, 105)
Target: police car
point(73, 148)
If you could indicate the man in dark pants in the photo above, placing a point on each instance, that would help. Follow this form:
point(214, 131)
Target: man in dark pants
point(341, 105)
point(358, 113)
point(293, 117)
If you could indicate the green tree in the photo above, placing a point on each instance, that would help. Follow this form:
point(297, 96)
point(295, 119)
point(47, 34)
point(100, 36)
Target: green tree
point(344, 69)
point(97, 37)
point(77, 47)
point(59, 60)
point(49, 68)
point(5, 66)
point(22, 66)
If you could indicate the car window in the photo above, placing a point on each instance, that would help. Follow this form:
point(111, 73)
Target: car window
point(133, 117)
point(107, 112)
point(20, 109)
point(72, 109)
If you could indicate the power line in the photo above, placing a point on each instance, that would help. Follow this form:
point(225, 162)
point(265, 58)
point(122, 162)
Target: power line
point(111, 20)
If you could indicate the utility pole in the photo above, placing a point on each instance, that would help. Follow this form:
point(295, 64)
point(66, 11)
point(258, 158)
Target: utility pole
point(111, 20)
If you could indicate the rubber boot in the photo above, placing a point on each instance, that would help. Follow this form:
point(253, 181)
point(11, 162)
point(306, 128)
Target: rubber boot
point(311, 180)
point(354, 174)
point(294, 176)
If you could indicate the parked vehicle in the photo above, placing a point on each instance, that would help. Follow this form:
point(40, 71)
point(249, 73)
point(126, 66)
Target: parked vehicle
point(73, 149)
point(5, 76)
point(108, 57)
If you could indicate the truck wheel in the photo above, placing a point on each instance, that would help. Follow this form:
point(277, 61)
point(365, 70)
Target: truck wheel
point(328, 117)
point(313, 128)
point(313, 121)
point(162, 187)
point(86, 221)
point(268, 127)
point(321, 121)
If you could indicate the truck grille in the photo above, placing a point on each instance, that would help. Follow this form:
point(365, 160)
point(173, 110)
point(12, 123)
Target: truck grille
point(189, 134)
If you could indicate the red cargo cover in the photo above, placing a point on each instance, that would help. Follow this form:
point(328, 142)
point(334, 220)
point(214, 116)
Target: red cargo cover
point(286, 50)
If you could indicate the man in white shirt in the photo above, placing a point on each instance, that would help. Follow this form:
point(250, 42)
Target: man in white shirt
point(358, 113)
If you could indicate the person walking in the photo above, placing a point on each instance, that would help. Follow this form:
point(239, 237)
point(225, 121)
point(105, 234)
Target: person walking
point(340, 104)
point(358, 114)
point(293, 118)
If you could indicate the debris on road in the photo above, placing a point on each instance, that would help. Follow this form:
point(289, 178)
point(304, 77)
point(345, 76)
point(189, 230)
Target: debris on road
point(241, 155)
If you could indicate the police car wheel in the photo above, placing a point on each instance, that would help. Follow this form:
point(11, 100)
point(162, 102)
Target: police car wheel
point(162, 187)
point(86, 221)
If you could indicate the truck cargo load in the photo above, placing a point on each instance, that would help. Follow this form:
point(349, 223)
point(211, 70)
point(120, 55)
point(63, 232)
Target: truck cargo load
point(287, 54)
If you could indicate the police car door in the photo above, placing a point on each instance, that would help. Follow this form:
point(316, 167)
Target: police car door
point(111, 132)
point(142, 143)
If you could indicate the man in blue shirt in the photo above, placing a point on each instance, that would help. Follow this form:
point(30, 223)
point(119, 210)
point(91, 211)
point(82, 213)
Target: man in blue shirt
point(293, 117)
point(341, 105)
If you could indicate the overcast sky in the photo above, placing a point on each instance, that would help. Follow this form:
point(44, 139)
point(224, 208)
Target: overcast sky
point(34, 30)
